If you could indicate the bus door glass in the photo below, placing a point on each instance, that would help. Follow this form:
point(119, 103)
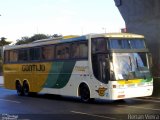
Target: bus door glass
point(103, 68)
point(100, 62)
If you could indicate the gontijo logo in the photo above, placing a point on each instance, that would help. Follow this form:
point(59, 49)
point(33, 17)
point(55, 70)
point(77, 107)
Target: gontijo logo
point(33, 67)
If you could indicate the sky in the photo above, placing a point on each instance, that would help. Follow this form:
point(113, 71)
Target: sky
point(21, 18)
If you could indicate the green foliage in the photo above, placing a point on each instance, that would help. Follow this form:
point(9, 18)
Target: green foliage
point(3, 41)
point(38, 37)
point(25, 40)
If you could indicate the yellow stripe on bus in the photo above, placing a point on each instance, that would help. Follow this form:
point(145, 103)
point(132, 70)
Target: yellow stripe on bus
point(122, 82)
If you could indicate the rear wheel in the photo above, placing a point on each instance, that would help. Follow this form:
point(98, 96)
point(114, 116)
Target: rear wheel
point(19, 89)
point(84, 93)
point(25, 88)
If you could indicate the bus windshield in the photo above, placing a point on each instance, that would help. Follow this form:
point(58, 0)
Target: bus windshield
point(126, 44)
point(130, 66)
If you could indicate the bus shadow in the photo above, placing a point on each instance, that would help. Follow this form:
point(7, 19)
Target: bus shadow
point(51, 97)
point(78, 100)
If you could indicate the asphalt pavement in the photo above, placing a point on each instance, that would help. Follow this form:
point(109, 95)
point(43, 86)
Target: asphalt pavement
point(49, 107)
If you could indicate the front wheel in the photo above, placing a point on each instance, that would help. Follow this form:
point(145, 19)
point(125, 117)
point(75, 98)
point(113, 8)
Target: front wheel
point(84, 93)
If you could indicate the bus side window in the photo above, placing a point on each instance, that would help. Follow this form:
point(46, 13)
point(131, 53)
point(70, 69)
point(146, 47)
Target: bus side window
point(83, 48)
point(67, 52)
point(48, 52)
point(22, 55)
point(13, 56)
point(35, 53)
point(58, 52)
point(6, 56)
point(98, 45)
point(75, 50)
point(63, 51)
point(79, 50)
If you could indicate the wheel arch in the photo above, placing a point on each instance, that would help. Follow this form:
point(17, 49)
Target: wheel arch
point(18, 81)
point(18, 87)
point(26, 81)
point(81, 84)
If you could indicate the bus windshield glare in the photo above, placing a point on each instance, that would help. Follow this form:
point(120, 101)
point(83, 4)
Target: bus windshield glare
point(130, 66)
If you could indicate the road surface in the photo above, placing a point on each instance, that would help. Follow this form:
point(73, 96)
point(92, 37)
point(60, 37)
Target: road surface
point(49, 107)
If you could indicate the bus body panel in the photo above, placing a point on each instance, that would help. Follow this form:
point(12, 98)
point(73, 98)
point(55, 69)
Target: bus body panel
point(78, 73)
point(131, 92)
point(53, 75)
point(34, 73)
point(63, 77)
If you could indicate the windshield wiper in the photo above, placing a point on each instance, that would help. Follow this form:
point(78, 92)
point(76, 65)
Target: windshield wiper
point(130, 62)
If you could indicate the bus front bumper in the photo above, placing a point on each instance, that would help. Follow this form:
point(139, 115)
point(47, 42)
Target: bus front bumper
point(117, 93)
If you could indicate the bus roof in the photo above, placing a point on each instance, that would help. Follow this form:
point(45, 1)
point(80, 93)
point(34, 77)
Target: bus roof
point(73, 38)
point(118, 35)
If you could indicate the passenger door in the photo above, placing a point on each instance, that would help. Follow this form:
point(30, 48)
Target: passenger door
point(103, 68)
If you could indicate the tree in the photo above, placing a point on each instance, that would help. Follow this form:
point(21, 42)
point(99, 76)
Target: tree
point(38, 37)
point(25, 40)
point(3, 41)
point(56, 35)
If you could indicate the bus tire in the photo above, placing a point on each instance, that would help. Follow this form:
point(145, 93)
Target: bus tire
point(19, 88)
point(84, 93)
point(25, 88)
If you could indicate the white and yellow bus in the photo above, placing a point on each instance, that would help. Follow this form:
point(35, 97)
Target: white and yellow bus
point(106, 66)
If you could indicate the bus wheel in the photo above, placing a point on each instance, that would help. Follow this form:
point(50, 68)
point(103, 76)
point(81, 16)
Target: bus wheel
point(25, 88)
point(84, 93)
point(19, 88)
